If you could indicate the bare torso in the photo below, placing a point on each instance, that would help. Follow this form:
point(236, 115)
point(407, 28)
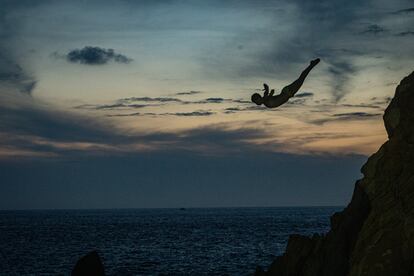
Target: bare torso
point(275, 101)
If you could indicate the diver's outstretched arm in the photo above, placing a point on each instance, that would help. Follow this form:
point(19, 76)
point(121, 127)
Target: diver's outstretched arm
point(295, 86)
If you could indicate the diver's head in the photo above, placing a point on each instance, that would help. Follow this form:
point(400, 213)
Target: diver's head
point(257, 99)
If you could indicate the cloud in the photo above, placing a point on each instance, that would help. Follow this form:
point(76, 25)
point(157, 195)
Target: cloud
point(220, 138)
point(356, 115)
point(303, 30)
point(210, 100)
point(29, 128)
point(340, 68)
point(233, 109)
point(200, 113)
point(12, 74)
point(242, 101)
point(362, 105)
point(407, 33)
point(194, 113)
point(374, 29)
point(95, 56)
point(34, 131)
point(375, 102)
point(38, 130)
point(349, 116)
point(111, 106)
point(129, 102)
point(342, 72)
point(128, 114)
point(230, 110)
point(306, 30)
point(188, 93)
point(384, 100)
point(149, 99)
point(304, 95)
point(404, 11)
point(335, 52)
point(33, 122)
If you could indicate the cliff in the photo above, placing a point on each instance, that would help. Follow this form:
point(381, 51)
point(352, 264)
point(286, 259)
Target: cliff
point(374, 234)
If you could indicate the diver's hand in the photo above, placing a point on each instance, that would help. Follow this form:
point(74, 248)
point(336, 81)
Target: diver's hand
point(266, 88)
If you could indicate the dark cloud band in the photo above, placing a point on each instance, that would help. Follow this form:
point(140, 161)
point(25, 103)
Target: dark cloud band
point(188, 93)
point(96, 56)
point(304, 95)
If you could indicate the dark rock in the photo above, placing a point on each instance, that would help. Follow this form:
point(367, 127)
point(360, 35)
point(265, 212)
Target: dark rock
point(374, 234)
point(259, 271)
point(89, 265)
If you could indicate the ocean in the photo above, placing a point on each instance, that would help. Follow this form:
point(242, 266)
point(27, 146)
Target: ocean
point(195, 241)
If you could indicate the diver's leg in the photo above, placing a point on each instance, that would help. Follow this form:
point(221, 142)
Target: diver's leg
point(294, 87)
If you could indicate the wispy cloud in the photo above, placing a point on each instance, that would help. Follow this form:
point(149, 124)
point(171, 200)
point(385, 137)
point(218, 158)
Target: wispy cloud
point(192, 92)
point(352, 115)
point(231, 110)
point(21, 117)
point(13, 75)
point(127, 114)
point(140, 102)
point(197, 113)
point(43, 132)
point(149, 99)
point(383, 100)
point(210, 100)
point(407, 33)
point(404, 11)
point(304, 95)
point(374, 29)
point(348, 116)
point(193, 113)
point(111, 106)
point(375, 106)
point(342, 70)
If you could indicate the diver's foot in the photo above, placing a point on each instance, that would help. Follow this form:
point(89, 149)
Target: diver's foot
point(315, 61)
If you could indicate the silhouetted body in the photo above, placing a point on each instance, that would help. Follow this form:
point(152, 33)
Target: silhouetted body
point(271, 101)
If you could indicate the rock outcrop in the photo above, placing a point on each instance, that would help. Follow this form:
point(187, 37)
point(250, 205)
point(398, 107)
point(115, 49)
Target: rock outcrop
point(89, 265)
point(374, 234)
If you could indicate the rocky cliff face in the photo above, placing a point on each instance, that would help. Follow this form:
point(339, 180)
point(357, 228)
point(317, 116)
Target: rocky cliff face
point(374, 234)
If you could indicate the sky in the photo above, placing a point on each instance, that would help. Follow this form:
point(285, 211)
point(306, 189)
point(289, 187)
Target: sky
point(146, 104)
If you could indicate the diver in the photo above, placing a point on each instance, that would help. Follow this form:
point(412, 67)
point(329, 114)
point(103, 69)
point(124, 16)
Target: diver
point(271, 101)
